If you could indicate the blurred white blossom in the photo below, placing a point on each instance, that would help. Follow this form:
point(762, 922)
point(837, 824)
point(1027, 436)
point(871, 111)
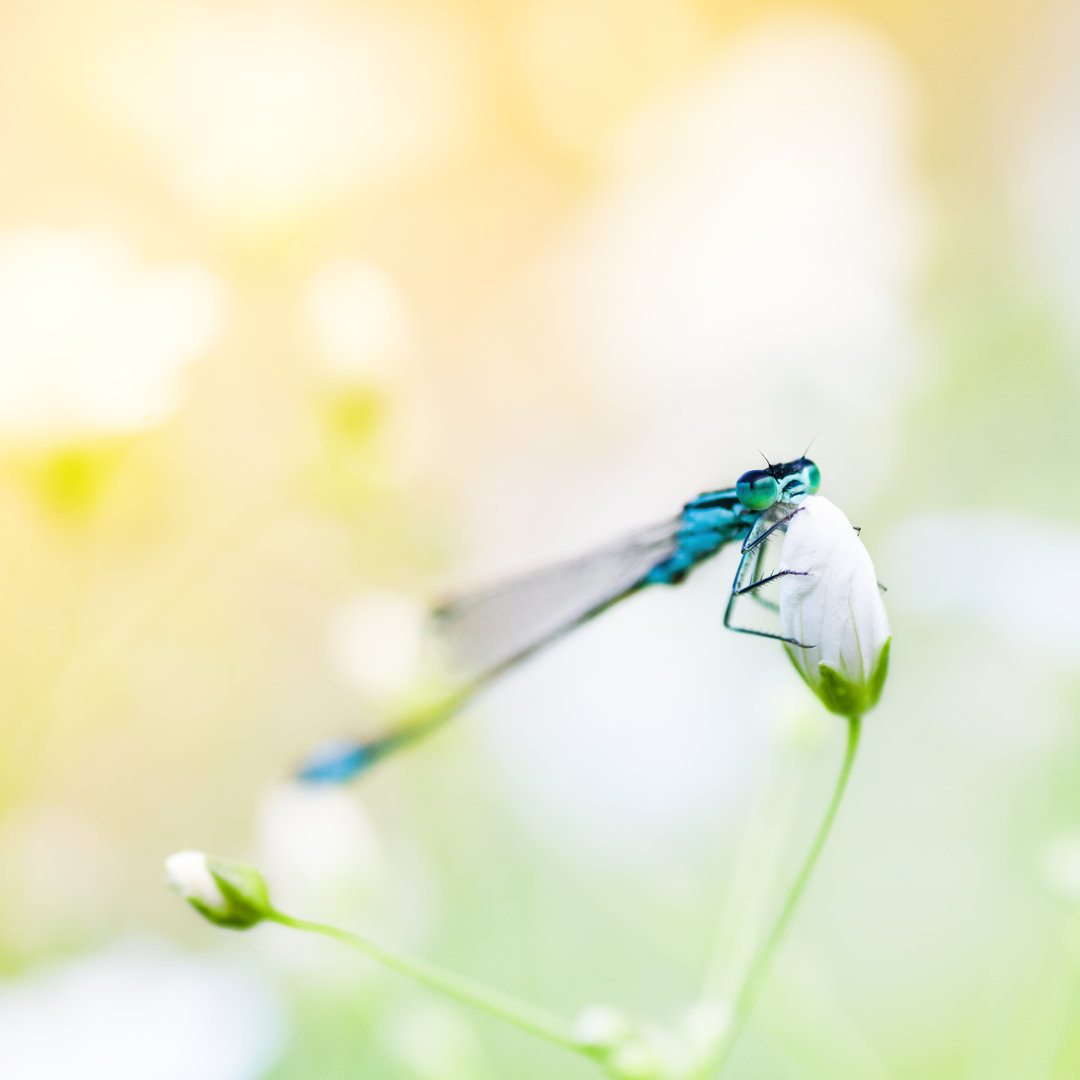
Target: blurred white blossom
point(377, 639)
point(318, 847)
point(91, 341)
point(261, 111)
point(319, 850)
point(960, 564)
point(359, 319)
point(601, 1026)
point(363, 335)
point(139, 1011)
point(765, 220)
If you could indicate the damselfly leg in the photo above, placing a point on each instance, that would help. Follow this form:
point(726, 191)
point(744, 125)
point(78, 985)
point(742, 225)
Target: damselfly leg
point(749, 579)
point(759, 575)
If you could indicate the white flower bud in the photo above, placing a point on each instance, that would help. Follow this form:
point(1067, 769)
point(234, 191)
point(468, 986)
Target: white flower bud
point(224, 892)
point(188, 873)
point(633, 1060)
point(601, 1027)
point(833, 607)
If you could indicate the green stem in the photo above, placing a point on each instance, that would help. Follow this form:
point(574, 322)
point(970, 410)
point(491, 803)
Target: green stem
point(493, 1002)
point(759, 969)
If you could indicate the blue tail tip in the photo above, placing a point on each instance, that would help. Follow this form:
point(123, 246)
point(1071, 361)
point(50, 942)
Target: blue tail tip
point(335, 761)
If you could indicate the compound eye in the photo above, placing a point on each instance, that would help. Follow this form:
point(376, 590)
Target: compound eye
point(756, 490)
point(813, 476)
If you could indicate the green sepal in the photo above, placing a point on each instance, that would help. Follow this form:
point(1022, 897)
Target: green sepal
point(245, 893)
point(880, 672)
point(846, 698)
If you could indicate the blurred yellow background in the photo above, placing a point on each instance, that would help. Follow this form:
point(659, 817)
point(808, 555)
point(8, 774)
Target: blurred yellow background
point(310, 310)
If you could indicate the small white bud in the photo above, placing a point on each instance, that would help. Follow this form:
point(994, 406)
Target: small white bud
point(833, 606)
point(188, 873)
point(601, 1027)
point(634, 1060)
point(224, 892)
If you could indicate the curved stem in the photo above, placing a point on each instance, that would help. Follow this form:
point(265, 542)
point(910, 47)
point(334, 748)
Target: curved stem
point(493, 1002)
point(759, 969)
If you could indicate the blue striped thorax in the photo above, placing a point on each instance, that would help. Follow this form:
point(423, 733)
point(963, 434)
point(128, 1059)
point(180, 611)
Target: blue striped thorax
point(716, 518)
point(708, 523)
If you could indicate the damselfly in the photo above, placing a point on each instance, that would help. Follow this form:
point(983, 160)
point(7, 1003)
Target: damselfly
point(490, 632)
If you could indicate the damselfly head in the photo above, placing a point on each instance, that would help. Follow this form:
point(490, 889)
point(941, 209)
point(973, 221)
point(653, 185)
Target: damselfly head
point(801, 478)
point(759, 489)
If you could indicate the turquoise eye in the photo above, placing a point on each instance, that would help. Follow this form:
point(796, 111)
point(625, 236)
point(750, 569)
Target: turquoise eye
point(757, 490)
point(805, 478)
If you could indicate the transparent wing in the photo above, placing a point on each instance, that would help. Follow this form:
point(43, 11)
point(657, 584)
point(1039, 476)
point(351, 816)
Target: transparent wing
point(486, 632)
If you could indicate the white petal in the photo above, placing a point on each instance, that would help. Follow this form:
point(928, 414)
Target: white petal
point(836, 608)
point(189, 874)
